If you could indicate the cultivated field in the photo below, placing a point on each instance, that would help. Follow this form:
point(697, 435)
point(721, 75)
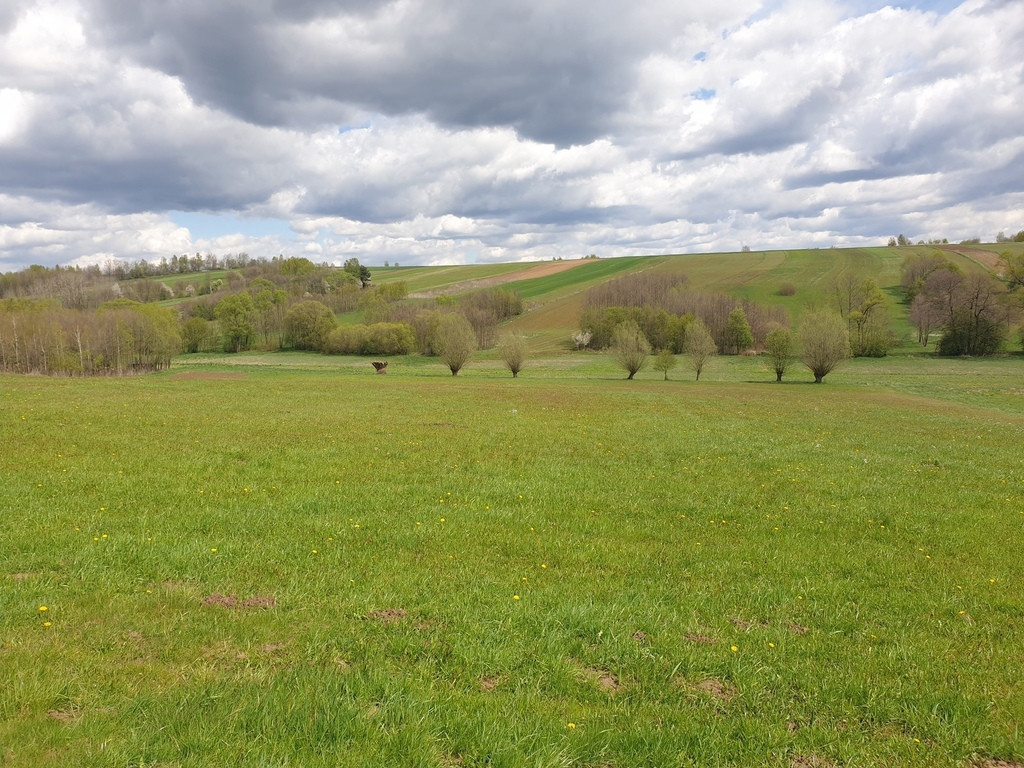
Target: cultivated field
point(286, 560)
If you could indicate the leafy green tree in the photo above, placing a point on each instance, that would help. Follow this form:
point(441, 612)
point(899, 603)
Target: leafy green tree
point(665, 361)
point(236, 315)
point(307, 324)
point(779, 347)
point(738, 337)
point(1013, 268)
point(824, 342)
point(631, 347)
point(358, 271)
point(455, 341)
point(297, 266)
point(194, 334)
point(699, 346)
point(512, 351)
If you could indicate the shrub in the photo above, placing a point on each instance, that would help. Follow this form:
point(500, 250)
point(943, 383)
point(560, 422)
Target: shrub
point(376, 339)
point(307, 325)
point(786, 289)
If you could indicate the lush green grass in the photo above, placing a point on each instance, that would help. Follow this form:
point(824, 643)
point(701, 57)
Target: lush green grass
point(564, 569)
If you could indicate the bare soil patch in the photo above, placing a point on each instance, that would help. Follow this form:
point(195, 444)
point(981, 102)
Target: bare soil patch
point(693, 637)
point(231, 601)
point(388, 615)
point(721, 690)
point(797, 628)
point(22, 576)
point(221, 601)
point(208, 375)
point(260, 601)
point(606, 681)
point(640, 636)
point(63, 715)
point(488, 683)
point(993, 763)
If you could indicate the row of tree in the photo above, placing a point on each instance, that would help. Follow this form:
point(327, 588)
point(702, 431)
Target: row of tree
point(121, 337)
point(663, 306)
point(822, 342)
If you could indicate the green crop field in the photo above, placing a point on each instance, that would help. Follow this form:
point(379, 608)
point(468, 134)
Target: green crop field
point(287, 560)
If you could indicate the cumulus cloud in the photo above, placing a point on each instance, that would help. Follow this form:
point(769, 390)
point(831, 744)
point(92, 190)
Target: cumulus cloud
point(429, 132)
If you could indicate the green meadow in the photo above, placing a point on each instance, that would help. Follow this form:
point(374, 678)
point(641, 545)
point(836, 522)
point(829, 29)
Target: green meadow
point(287, 560)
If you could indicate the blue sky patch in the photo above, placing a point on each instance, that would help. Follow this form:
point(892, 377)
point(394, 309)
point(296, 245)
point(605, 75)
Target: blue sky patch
point(211, 225)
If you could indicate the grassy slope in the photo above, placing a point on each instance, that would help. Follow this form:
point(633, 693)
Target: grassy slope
point(728, 573)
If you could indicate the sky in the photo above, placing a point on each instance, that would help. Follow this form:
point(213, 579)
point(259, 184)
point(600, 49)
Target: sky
point(476, 131)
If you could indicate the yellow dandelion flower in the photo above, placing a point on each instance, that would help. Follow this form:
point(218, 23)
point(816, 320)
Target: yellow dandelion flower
point(515, 597)
point(43, 609)
point(733, 648)
point(47, 623)
point(213, 549)
point(570, 726)
point(771, 645)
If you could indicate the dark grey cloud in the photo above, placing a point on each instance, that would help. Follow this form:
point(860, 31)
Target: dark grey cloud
point(556, 72)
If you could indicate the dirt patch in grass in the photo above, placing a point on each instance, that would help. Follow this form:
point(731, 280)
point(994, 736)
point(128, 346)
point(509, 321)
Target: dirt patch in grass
point(639, 636)
point(798, 629)
point(63, 715)
point(260, 601)
point(488, 683)
point(388, 615)
point(23, 576)
point(744, 625)
point(221, 601)
point(607, 681)
point(993, 763)
point(720, 689)
point(231, 601)
point(693, 637)
point(209, 375)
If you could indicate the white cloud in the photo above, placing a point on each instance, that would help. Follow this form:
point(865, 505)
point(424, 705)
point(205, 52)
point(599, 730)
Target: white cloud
point(404, 131)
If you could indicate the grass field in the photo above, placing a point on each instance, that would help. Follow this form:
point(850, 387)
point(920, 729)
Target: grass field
point(286, 560)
